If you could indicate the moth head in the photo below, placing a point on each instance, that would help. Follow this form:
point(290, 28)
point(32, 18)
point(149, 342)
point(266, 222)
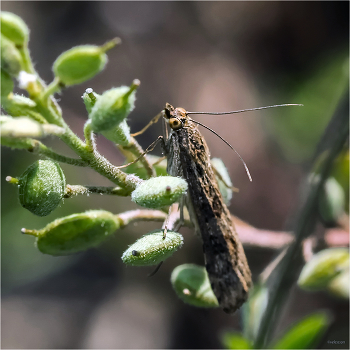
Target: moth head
point(168, 111)
point(174, 116)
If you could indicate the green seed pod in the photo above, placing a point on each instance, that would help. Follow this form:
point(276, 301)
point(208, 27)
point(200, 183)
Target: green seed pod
point(340, 172)
point(81, 63)
point(153, 248)
point(234, 340)
point(191, 284)
point(89, 97)
point(14, 28)
point(339, 285)
point(306, 333)
point(331, 202)
point(75, 233)
point(120, 134)
point(159, 191)
point(11, 60)
point(21, 127)
point(18, 106)
point(16, 143)
point(323, 267)
point(22, 103)
point(41, 187)
point(222, 170)
point(112, 107)
point(6, 85)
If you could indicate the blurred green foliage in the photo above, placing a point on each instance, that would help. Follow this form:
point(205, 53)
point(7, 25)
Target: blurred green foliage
point(298, 131)
point(234, 340)
point(306, 333)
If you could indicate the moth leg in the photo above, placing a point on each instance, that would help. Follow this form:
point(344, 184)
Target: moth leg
point(153, 121)
point(216, 172)
point(159, 160)
point(150, 148)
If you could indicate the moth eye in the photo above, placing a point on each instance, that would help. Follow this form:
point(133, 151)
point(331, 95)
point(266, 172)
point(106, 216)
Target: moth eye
point(175, 123)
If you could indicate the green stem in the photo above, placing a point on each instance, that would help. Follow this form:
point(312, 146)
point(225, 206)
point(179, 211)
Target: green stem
point(286, 272)
point(89, 136)
point(26, 61)
point(111, 172)
point(50, 110)
point(51, 89)
point(110, 44)
point(40, 148)
point(73, 190)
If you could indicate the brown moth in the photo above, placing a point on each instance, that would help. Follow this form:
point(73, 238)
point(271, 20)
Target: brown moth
point(188, 156)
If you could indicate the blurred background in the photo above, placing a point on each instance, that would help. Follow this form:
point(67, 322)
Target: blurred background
point(202, 56)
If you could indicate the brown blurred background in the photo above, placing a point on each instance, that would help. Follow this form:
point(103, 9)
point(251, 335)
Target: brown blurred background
point(207, 56)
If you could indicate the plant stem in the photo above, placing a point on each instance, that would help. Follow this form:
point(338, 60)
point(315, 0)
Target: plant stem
point(89, 136)
point(141, 214)
point(73, 190)
point(52, 88)
point(40, 148)
point(50, 110)
point(287, 270)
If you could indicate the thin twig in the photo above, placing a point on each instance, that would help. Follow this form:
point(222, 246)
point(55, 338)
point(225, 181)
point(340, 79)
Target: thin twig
point(141, 215)
point(39, 148)
point(73, 190)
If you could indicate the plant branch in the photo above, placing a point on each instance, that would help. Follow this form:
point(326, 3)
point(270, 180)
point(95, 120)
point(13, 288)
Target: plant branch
point(286, 272)
point(253, 237)
point(73, 190)
point(141, 215)
point(40, 148)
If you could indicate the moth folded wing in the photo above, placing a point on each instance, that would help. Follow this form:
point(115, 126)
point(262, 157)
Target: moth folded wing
point(227, 269)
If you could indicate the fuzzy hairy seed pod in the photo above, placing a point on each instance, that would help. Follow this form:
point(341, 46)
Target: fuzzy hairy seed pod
point(79, 64)
point(17, 143)
point(159, 191)
point(14, 28)
point(11, 60)
point(17, 106)
point(89, 97)
point(112, 107)
point(331, 203)
point(42, 187)
point(191, 284)
point(323, 267)
point(21, 127)
point(339, 285)
point(153, 248)
point(75, 233)
point(120, 134)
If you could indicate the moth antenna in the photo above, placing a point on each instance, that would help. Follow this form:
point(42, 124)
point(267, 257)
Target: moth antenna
point(245, 165)
point(246, 110)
